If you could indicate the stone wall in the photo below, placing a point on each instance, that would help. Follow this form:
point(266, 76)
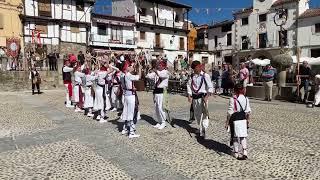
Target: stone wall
point(19, 80)
point(67, 48)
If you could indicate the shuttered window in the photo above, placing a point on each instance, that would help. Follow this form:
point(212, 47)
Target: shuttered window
point(42, 28)
point(74, 28)
point(44, 8)
point(181, 43)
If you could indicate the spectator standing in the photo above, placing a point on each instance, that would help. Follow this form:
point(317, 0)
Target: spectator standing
point(268, 75)
point(34, 76)
point(55, 60)
point(215, 79)
point(303, 78)
point(244, 76)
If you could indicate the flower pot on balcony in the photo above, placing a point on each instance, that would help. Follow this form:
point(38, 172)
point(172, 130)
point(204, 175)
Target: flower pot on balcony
point(139, 85)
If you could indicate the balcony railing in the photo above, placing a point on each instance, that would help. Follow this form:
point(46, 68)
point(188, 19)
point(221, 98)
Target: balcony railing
point(170, 23)
point(128, 40)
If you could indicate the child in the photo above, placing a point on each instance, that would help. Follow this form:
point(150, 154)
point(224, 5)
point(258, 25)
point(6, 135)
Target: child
point(238, 119)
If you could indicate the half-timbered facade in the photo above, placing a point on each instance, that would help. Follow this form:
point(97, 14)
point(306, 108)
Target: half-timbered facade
point(161, 25)
point(62, 25)
point(112, 33)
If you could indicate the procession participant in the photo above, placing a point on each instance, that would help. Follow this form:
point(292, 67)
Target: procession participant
point(161, 78)
point(130, 108)
point(115, 98)
point(100, 94)
point(66, 76)
point(34, 76)
point(89, 92)
point(77, 89)
point(237, 120)
point(199, 89)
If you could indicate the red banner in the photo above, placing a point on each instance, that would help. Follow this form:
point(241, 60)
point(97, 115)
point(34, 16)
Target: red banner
point(13, 47)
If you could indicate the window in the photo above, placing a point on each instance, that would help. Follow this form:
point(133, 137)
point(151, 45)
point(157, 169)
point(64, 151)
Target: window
point(218, 54)
point(215, 41)
point(245, 42)
point(181, 43)
point(80, 5)
point(317, 28)
point(262, 17)
point(263, 40)
point(142, 35)
point(205, 60)
point(283, 38)
point(102, 29)
point(42, 28)
point(244, 21)
point(229, 39)
point(177, 18)
point(315, 53)
point(226, 28)
point(143, 12)
point(158, 40)
point(1, 21)
point(116, 33)
point(44, 7)
point(74, 28)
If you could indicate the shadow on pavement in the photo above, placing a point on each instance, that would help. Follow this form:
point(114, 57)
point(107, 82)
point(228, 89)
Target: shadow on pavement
point(148, 119)
point(207, 143)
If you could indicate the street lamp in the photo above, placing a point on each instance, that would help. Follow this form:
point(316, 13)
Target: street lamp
point(280, 19)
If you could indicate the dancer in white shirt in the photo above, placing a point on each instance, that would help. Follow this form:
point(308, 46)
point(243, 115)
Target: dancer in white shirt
point(89, 93)
point(237, 120)
point(130, 110)
point(161, 79)
point(199, 89)
point(77, 89)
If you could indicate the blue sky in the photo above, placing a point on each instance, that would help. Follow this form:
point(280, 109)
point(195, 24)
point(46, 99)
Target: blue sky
point(218, 9)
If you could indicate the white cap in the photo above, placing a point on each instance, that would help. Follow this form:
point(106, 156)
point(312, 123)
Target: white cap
point(317, 76)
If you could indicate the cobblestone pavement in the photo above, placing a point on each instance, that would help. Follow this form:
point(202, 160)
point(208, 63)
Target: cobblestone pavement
point(41, 139)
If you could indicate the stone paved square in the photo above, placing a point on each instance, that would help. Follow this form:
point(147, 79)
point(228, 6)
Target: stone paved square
point(41, 139)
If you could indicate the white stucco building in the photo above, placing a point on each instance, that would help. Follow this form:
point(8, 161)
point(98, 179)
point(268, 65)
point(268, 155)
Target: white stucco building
point(62, 25)
point(309, 33)
point(256, 33)
point(111, 33)
point(221, 41)
point(160, 25)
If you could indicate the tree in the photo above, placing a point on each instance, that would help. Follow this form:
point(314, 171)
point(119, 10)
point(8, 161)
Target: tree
point(281, 62)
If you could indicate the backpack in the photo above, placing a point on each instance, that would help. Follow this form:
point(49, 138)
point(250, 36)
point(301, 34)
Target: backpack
point(236, 116)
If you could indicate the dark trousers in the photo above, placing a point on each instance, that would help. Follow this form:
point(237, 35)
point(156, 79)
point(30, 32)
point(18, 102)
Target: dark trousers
point(51, 68)
point(34, 85)
point(305, 85)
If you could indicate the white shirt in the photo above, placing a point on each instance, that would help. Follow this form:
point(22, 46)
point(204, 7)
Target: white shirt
point(101, 76)
point(164, 75)
point(90, 79)
point(78, 77)
point(206, 87)
point(127, 82)
point(67, 69)
point(244, 101)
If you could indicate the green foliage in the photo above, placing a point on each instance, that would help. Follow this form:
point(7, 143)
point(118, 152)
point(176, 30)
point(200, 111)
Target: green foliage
point(282, 61)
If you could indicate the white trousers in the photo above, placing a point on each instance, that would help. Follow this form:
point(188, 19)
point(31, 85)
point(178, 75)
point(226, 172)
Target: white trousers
point(240, 145)
point(98, 102)
point(76, 93)
point(115, 100)
point(200, 114)
point(128, 108)
point(160, 113)
point(68, 100)
point(88, 98)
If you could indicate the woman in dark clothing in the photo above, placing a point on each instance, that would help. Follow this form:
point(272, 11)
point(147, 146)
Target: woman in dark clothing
point(34, 76)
